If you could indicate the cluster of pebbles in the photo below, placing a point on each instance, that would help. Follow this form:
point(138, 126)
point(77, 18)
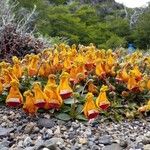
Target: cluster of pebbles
point(19, 131)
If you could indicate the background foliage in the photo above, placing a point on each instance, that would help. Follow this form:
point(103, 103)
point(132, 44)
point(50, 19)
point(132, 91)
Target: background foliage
point(103, 22)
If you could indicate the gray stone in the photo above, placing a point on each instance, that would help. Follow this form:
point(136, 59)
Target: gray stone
point(75, 125)
point(112, 147)
point(27, 141)
point(53, 141)
point(36, 130)
point(88, 132)
point(29, 127)
point(95, 147)
point(47, 123)
point(5, 143)
point(20, 144)
point(147, 147)
point(3, 146)
point(147, 134)
point(146, 140)
point(29, 148)
point(106, 140)
point(123, 143)
point(5, 131)
point(52, 147)
point(39, 143)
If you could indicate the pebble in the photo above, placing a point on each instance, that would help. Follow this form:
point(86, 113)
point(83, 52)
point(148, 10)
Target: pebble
point(27, 141)
point(5, 131)
point(47, 123)
point(147, 147)
point(123, 144)
point(21, 132)
point(112, 147)
point(146, 140)
point(29, 127)
point(106, 140)
point(57, 131)
point(82, 140)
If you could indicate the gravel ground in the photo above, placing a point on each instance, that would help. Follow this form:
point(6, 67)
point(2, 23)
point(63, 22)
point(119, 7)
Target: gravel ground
point(21, 132)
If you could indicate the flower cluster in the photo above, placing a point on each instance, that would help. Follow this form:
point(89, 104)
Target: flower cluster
point(90, 77)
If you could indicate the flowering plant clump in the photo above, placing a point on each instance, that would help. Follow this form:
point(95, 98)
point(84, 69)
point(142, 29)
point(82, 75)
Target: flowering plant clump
point(78, 83)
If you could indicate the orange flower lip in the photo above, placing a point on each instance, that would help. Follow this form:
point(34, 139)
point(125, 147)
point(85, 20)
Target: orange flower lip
point(135, 89)
point(92, 114)
point(139, 78)
point(40, 103)
point(13, 102)
point(103, 75)
point(65, 94)
point(119, 80)
point(32, 72)
point(73, 81)
point(89, 66)
point(104, 106)
point(53, 106)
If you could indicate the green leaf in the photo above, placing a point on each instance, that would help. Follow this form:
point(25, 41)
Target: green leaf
point(41, 110)
point(79, 109)
point(66, 109)
point(79, 88)
point(81, 117)
point(63, 116)
point(70, 101)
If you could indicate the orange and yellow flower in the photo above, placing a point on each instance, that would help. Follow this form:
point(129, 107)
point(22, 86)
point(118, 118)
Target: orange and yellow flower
point(64, 88)
point(90, 110)
point(14, 98)
point(53, 100)
point(16, 69)
point(102, 101)
point(40, 98)
point(29, 104)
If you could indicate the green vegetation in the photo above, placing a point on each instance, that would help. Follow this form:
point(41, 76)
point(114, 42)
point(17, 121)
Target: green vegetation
point(84, 21)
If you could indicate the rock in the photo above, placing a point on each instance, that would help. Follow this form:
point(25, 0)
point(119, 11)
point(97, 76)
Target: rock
point(5, 118)
point(49, 131)
point(123, 144)
point(106, 140)
point(147, 134)
point(146, 147)
point(39, 142)
point(53, 141)
point(29, 148)
point(146, 140)
point(29, 127)
point(88, 132)
point(27, 141)
point(47, 123)
point(4, 148)
point(4, 145)
point(20, 144)
point(112, 147)
point(139, 146)
point(47, 116)
point(52, 147)
point(139, 139)
point(57, 131)
point(46, 148)
point(95, 147)
point(36, 130)
point(5, 131)
point(75, 125)
point(82, 140)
